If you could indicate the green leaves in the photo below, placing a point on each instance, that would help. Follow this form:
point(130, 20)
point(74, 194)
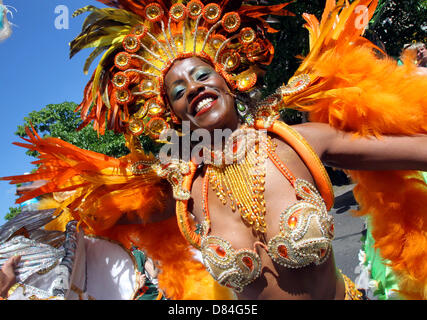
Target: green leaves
point(13, 212)
point(60, 120)
point(400, 22)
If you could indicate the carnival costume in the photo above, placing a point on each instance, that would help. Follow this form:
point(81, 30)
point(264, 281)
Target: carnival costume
point(140, 40)
point(5, 25)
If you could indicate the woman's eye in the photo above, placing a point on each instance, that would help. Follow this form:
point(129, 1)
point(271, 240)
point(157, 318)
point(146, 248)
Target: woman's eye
point(177, 92)
point(202, 75)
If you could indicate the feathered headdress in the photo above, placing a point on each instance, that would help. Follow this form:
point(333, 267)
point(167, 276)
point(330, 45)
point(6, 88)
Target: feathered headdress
point(142, 39)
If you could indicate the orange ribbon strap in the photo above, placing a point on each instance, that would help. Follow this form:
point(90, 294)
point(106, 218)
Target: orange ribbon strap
point(307, 154)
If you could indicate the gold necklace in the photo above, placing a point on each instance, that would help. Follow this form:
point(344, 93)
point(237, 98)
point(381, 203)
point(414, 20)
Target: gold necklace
point(240, 176)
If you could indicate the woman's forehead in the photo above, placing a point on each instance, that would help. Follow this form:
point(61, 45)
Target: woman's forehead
point(184, 66)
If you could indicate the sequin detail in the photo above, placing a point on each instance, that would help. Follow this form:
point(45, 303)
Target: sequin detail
point(306, 230)
point(232, 268)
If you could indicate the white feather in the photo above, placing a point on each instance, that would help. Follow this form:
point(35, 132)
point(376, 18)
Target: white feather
point(5, 25)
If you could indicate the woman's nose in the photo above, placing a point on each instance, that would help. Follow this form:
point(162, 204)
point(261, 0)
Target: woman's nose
point(194, 89)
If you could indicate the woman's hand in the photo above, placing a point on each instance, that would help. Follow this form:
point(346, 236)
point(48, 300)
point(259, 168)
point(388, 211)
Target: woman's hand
point(7, 275)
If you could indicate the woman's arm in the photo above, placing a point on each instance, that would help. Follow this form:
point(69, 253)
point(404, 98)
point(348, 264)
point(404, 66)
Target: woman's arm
point(343, 150)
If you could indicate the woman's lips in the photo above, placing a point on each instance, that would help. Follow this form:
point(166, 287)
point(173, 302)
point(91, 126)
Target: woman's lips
point(205, 108)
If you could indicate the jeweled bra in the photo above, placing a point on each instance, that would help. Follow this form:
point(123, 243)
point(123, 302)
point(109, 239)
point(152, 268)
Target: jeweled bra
point(306, 229)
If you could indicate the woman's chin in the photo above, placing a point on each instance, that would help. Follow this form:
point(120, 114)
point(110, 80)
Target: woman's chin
point(212, 119)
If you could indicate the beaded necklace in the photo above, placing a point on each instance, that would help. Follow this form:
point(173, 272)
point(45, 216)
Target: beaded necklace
point(239, 177)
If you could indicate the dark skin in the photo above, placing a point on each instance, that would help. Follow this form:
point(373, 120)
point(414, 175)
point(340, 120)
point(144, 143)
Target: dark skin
point(7, 275)
point(333, 147)
point(192, 80)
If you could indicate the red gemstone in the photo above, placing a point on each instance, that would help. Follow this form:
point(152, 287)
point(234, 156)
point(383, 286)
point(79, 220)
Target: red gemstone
point(282, 250)
point(292, 221)
point(248, 262)
point(235, 146)
point(220, 251)
point(322, 252)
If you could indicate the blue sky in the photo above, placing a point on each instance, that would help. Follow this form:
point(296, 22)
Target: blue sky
point(35, 71)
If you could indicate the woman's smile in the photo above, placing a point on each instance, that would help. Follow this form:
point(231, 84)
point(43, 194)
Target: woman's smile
point(202, 103)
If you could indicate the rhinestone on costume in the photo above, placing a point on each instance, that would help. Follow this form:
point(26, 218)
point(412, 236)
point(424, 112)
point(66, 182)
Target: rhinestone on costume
point(246, 36)
point(123, 96)
point(120, 80)
point(292, 221)
point(154, 107)
point(282, 251)
point(219, 250)
point(231, 21)
point(140, 167)
point(122, 60)
point(230, 59)
point(195, 9)
point(178, 12)
point(136, 126)
point(296, 84)
point(246, 81)
point(139, 30)
point(156, 125)
point(153, 12)
point(217, 40)
point(248, 262)
point(131, 43)
point(211, 12)
point(148, 85)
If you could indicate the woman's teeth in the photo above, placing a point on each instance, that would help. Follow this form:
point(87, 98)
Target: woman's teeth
point(203, 104)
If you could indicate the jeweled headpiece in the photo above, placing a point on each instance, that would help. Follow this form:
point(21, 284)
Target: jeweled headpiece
point(142, 39)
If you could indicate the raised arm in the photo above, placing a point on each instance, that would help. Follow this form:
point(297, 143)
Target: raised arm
point(344, 150)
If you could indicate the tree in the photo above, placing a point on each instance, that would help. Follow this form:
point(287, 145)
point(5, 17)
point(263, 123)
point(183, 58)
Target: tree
point(400, 22)
point(13, 212)
point(60, 120)
point(395, 23)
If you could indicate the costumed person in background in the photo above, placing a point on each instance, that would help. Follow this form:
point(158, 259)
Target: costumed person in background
point(256, 208)
point(5, 25)
point(416, 53)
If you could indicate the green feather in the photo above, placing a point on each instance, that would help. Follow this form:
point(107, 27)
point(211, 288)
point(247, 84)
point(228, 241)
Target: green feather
point(92, 57)
point(106, 37)
point(100, 71)
point(83, 10)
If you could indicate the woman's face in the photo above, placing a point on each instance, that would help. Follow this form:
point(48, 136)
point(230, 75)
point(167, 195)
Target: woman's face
point(422, 55)
point(198, 94)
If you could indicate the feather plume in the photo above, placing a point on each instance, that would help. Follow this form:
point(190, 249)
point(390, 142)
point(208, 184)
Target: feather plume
point(353, 90)
point(103, 186)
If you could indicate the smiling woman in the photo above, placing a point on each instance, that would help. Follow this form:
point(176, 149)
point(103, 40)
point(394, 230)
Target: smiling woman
point(200, 95)
point(258, 216)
